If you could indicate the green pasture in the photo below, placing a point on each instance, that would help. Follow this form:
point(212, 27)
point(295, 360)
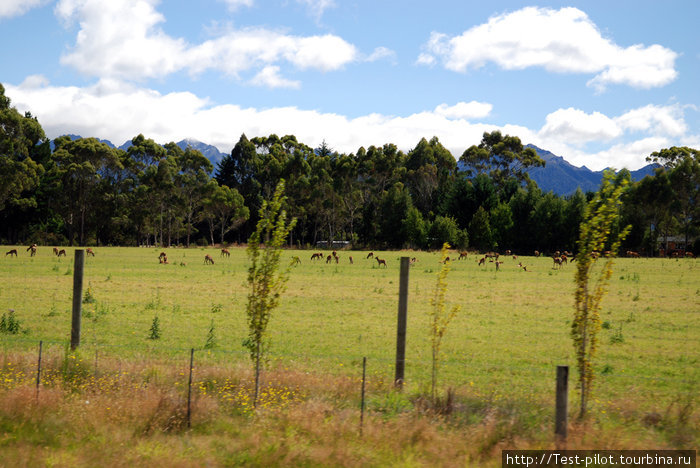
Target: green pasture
point(513, 328)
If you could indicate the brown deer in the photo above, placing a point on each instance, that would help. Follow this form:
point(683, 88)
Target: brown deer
point(62, 252)
point(33, 249)
point(55, 251)
point(557, 262)
point(564, 259)
point(316, 256)
point(380, 262)
point(507, 253)
point(89, 251)
point(462, 255)
point(225, 253)
point(482, 261)
point(370, 255)
point(498, 264)
point(632, 254)
point(537, 253)
point(328, 259)
point(208, 259)
point(11, 253)
point(350, 260)
point(162, 255)
point(689, 255)
point(163, 260)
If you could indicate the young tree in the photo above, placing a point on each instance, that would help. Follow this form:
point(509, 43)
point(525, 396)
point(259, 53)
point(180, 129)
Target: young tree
point(266, 283)
point(440, 318)
point(599, 232)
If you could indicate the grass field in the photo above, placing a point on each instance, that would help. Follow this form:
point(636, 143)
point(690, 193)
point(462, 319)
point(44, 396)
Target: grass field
point(513, 328)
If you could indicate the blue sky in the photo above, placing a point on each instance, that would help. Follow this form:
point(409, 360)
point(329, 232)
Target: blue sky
point(602, 84)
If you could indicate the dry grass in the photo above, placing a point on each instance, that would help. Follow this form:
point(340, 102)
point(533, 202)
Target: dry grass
point(122, 416)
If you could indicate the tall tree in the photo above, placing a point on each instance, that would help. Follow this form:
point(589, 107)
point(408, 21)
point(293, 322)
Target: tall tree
point(502, 157)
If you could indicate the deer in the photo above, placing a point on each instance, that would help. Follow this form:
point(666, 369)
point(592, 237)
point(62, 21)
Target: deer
point(380, 262)
point(208, 259)
point(557, 262)
point(482, 261)
point(498, 264)
point(370, 255)
point(689, 255)
point(11, 253)
point(523, 267)
point(61, 252)
point(537, 253)
point(163, 260)
point(33, 249)
point(316, 256)
point(632, 254)
point(89, 251)
point(55, 251)
point(225, 253)
point(162, 255)
point(462, 255)
point(328, 259)
point(350, 257)
point(564, 259)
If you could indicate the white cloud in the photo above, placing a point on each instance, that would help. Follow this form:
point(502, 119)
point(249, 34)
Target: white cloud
point(270, 77)
point(561, 41)
point(317, 7)
point(233, 5)
point(657, 120)
point(381, 53)
point(122, 39)
point(577, 127)
point(118, 111)
point(464, 110)
point(11, 8)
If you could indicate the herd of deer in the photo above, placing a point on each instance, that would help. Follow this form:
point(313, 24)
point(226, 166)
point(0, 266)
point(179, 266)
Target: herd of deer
point(59, 253)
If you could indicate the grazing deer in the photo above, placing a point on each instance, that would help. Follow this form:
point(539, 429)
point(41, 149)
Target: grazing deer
point(412, 261)
point(328, 259)
point(380, 262)
point(482, 261)
point(296, 261)
point(316, 256)
point(162, 255)
point(564, 259)
point(462, 255)
point(89, 251)
point(350, 260)
point(11, 253)
point(208, 259)
point(689, 255)
point(370, 255)
point(498, 264)
point(225, 253)
point(515, 257)
point(55, 251)
point(632, 254)
point(163, 260)
point(557, 262)
point(62, 252)
point(33, 249)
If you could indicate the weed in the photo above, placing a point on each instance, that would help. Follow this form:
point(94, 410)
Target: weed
point(9, 323)
point(617, 336)
point(155, 332)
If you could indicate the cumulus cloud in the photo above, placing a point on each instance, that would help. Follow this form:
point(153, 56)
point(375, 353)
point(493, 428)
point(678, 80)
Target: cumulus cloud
point(316, 8)
point(576, 126)
point(464, 110)
point(658, 120)
point(11, 8)
point(560, 41)
point(118, 111)
point(123, 39)
point(270, 77)
point(382, 53)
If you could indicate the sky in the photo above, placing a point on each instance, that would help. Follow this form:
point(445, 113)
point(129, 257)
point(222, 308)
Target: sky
point(600, 83)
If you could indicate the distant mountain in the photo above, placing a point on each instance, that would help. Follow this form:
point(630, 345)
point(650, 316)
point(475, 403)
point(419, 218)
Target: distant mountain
point(210, 152)
point(563, 178)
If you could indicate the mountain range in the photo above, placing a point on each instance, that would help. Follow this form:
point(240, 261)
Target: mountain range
point(558, 175)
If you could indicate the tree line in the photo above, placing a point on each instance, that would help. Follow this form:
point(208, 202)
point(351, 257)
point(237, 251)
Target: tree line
point(85, 192)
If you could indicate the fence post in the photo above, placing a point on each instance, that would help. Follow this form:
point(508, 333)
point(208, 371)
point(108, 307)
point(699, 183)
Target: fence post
point(38, 371)
point(362, 404)
point(78, 265)
point(189, 391)
point(401, 326)
point(562, 404)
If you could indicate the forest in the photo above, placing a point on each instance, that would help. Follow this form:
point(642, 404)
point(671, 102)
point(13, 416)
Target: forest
point(85, 192)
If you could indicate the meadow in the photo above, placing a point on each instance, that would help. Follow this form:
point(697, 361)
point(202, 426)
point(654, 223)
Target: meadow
point(499, 353)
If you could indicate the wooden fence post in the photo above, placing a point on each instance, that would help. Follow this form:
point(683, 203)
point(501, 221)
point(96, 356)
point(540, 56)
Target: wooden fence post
point(189, 391)
point(401, 326)
point(38, 371)
point(562, 404)
point(78, 265)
